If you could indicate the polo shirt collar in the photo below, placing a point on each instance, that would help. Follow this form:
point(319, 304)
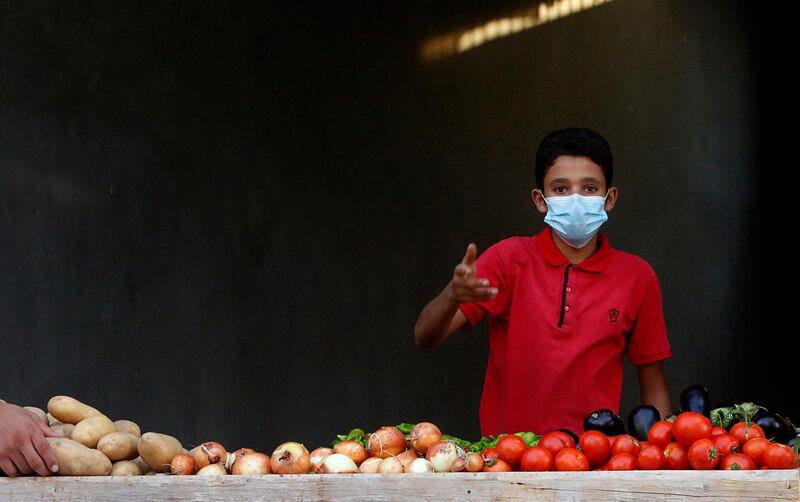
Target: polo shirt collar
point(595, 263)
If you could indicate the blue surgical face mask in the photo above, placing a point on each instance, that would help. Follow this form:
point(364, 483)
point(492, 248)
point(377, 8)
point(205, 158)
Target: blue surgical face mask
point(576, 218)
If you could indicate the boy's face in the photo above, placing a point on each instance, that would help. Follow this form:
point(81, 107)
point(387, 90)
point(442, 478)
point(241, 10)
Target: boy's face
point(569, 175)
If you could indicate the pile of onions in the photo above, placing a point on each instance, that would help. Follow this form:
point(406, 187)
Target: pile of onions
point(209, 453)
point(446, 456)
point(424, 435)
point(181, 465)
point(290, 458)
point(386, 442)
point(251, 463)
point(352, 449)
point(338, 463)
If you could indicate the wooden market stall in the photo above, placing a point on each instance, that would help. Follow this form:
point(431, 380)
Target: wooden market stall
point(773, 485)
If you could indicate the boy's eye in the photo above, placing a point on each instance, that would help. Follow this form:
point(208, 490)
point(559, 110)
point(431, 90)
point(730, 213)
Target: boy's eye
point(591, 188)
point(560, 189)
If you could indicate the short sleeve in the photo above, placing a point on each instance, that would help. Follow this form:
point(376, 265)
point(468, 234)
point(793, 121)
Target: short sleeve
point(648, 342)
point(490, 266)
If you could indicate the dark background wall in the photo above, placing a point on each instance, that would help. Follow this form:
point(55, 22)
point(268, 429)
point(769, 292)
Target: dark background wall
point(221, 220)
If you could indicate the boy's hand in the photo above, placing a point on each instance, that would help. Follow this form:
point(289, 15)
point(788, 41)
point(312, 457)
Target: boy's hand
point(23, 447)
point(465, 287)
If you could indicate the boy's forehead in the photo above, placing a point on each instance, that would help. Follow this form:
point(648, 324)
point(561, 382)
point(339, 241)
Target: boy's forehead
point(573, 168)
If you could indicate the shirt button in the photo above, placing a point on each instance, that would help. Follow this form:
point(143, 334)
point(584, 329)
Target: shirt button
point(569, 289)
point(566, 308)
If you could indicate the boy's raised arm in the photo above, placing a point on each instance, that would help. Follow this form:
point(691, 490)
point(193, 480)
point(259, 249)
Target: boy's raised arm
point(441, 316)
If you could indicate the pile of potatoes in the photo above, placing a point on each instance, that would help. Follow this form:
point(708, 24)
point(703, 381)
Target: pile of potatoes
point(94, 445)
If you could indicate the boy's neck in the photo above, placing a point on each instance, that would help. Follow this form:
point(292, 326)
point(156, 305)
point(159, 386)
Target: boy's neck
point(575, 256)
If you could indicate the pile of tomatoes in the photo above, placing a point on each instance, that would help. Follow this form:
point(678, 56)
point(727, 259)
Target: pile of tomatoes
point(690, 442)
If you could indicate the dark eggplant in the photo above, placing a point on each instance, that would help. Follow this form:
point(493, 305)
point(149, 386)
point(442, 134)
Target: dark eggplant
point(571, 434)
point(776, 427)
point(640, 419)
point(605, 421)
point(695, 398)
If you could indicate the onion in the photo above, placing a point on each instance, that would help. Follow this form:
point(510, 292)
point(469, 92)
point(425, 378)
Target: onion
point(424, 435)
point(213, 470)
point(386, 442)
point(407, 457)
point(338, 463)
point(241, 452)
point(419, 465)
point(182, 464)
point(290, 458)
point(209, 453)
point(370, 465)
point(390, 465)
point(252, 463)
point(474, 462)
point(444, 454)
point(352, 449)
point(317, 456)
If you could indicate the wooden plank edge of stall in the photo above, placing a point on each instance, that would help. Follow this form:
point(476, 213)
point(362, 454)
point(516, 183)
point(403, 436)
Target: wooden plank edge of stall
point(638, 485)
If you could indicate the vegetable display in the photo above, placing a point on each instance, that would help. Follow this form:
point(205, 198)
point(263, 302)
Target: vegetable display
point(741, 436)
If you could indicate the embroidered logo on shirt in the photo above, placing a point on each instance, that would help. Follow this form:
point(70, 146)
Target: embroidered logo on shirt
point(613, 315)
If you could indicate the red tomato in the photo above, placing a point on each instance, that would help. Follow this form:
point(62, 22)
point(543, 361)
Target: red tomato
point(744, 433)
point(651, 458)
point(737, 462)
point(703, 455)
point(499, 465)
point(510, 448)
point(596, 446)
point(536, 458)
point(571, 459)
point(726, 444)
point(623, 462)
point(780, 456)
point(660, 434)
point(689, 427)
point(625, 444)
point(716, 431)
point(489, 456)
point(755, 449)
point(676, 456)
point(556, 441)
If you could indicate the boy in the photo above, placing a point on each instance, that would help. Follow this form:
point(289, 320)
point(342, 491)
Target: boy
point(563, 305)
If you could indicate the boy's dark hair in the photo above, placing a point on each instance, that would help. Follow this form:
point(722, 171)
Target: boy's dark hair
point(574, 141)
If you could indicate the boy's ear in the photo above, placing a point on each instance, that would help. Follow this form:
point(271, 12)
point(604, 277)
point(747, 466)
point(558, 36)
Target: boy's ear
point(611, 199)
point(538, 200)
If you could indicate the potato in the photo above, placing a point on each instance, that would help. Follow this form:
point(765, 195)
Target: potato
point(74, 459)
point(69, 410)
point(90, 430)
point(38, 413)
point(51, 420)
point(157, 450)
point(126, 468)
point(143, 467)
point(129, 427)
point(63, 429)
point(119, 446)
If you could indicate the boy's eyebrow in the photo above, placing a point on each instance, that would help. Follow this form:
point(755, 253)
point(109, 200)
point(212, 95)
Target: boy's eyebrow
point(591, 179)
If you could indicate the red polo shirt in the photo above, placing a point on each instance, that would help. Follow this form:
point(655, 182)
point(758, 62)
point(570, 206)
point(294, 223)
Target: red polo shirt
point(558, 331)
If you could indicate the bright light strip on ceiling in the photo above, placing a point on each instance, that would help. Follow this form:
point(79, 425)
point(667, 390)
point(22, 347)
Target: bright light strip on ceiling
point(462, 41)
